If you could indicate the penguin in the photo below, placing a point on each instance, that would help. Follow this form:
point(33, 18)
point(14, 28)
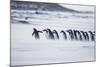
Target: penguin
point(92, 35)
point(70, 32)
point(85, 35)
point(56, 33)
point(64, 34)
point(50, 33)
point(36, 33)
point(77, 35)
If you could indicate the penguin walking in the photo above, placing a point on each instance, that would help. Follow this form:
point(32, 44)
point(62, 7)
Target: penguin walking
point(49, 33)
point(92, 35)
point(77, 35)
point(71, 34)
point(36, 33)
point(85, 35)
point(56, 34)
point(64, 34)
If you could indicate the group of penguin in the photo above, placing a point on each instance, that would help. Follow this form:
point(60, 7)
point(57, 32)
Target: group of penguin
point(66, 34)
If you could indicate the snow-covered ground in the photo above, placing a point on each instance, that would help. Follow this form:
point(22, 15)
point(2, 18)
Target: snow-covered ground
point(26, 50)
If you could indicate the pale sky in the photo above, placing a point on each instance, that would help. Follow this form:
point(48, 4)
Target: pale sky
point(79, 7)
